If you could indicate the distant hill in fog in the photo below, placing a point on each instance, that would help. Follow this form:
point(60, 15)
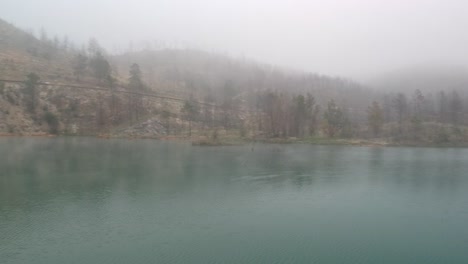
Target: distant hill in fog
point(202, 73)
point(429, 79)
point(182, 72)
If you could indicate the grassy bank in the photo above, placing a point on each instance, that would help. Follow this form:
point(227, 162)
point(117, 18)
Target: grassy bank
point(231, 139)
point(380, 142)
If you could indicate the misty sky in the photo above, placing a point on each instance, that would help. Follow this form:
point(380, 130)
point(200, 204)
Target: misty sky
point(352, 38)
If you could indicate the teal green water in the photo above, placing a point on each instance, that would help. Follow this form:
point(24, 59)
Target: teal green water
point(82, 200)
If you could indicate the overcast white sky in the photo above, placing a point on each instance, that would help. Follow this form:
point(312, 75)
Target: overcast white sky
point(352, 38)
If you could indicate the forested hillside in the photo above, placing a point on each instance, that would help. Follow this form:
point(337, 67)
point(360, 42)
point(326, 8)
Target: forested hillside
point(186, 92)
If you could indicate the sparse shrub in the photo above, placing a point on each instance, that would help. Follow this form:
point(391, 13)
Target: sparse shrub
point(11, 129)
point(11, 99)
point(242, 130)
point(2, 88)
point(215, 135)
point(52, 121)
point(457, 131)
point(442, 136)
point(33, 51)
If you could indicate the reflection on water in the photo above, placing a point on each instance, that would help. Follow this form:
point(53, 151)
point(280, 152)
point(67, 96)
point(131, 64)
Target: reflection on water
point(83, 200)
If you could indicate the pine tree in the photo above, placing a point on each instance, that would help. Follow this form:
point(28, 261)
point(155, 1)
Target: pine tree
point(79, 66)
point(375, 118)
point(335, 118)
point(100, 66)
point(31, 88)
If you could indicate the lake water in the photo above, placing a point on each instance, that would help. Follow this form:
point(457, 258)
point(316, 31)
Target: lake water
point(83, 200)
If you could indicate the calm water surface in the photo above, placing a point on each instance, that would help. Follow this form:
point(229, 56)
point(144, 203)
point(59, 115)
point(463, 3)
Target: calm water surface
point(81, 200)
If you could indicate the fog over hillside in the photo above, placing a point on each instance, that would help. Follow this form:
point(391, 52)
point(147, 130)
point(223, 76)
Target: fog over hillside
point(352, 38)
point(428, 78)
point(233, 131)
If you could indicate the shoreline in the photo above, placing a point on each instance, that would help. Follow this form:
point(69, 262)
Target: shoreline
point(28, 135)
point(201, 141)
